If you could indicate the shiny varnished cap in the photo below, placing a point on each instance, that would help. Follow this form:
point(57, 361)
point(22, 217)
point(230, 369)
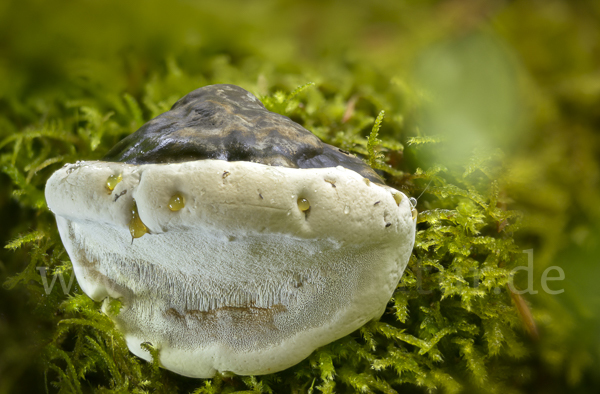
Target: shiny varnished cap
point(226, 122)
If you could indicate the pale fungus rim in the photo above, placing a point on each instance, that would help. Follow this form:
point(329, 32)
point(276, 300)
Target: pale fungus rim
point(341, 204)
point(178, 198)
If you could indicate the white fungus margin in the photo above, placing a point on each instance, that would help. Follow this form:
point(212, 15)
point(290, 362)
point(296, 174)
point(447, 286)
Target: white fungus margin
point(243, 277)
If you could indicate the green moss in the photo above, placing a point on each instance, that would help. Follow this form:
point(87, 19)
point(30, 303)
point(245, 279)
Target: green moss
point(440, 315)
point(452, 325)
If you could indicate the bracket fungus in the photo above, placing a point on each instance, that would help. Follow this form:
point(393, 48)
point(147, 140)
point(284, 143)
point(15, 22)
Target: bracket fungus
point(235, 239)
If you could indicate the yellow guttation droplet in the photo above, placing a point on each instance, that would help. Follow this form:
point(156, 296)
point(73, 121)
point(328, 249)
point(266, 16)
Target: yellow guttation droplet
point(136, 227)
point(112, 182)
point(303, 204)
point(397, 198)
point(367, 182)
point(176, 202)
point(414, 213)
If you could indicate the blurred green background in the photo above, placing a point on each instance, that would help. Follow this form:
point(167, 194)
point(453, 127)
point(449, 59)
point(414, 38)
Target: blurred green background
point(520, 77)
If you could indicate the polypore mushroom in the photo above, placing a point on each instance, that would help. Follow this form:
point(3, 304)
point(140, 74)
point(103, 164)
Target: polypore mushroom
point(236, 240)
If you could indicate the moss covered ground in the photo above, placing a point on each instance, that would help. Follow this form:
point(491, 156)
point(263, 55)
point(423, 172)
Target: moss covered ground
point(487, 110)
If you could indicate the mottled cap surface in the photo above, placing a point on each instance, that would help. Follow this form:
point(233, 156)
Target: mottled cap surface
point(226, 122)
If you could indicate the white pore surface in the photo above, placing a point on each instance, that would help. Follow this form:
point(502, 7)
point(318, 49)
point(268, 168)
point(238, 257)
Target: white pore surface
point(240, 279)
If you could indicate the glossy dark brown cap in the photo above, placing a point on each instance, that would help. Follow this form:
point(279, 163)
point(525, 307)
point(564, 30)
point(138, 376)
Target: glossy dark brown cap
point(226, 122)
